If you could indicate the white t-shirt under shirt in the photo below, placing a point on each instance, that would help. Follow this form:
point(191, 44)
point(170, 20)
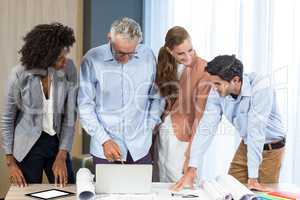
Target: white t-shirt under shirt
point(170, 150)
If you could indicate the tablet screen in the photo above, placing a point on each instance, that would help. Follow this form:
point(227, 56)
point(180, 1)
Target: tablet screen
point(50, 194)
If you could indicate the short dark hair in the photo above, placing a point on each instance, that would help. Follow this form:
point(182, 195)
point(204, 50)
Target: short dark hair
point(43, 45)
point(226, 67)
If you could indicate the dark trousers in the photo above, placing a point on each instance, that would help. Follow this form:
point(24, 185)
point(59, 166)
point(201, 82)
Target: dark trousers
point(41, 158)
point(145, 160)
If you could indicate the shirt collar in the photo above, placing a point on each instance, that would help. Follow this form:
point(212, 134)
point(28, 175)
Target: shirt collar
point(49, 71)
point(108, 56)
point(246, 87)
point(36, 71)
point(107, 53)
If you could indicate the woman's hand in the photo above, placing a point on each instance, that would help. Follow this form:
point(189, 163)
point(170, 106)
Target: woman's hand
point(187, 179)
point(59, 169)
point(15, 174)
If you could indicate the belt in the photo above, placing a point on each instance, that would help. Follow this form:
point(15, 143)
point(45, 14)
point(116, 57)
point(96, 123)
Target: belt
point(275, 145)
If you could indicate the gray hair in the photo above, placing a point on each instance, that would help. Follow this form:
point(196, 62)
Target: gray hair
point(127, 28)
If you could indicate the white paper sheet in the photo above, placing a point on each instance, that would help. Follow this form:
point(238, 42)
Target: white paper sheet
point(126, 197)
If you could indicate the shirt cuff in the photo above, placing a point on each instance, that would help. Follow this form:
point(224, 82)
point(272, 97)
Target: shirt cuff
point(253, 171)
point(102, 138)
point(194, 163)
point(8, 149)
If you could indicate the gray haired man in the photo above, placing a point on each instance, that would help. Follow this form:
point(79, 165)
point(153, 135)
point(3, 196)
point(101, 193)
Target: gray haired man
point(118, 105)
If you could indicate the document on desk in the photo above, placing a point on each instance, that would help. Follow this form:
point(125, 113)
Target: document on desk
point(191, 194)
point(126, 197)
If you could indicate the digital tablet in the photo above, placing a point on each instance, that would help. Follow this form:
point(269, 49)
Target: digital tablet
point(50, 194)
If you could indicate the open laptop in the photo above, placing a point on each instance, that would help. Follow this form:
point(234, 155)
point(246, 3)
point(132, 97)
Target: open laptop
point(114, 178)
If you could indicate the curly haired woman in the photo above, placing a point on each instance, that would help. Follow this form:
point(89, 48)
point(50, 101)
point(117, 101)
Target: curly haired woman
point(39, 113)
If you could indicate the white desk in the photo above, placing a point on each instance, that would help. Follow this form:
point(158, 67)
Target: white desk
point(16, 193)
point(161, 190)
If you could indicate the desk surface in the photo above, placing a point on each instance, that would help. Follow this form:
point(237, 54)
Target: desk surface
point(16, 193)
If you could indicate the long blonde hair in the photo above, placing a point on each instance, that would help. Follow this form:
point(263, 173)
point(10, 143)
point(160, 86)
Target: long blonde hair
point(166, 76)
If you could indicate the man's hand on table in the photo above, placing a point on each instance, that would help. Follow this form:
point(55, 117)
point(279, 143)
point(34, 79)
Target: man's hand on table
point(253, 184)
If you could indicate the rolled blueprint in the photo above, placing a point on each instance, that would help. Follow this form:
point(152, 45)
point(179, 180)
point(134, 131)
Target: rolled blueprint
point(237, 189)
point(215, 190)
point(84, 184)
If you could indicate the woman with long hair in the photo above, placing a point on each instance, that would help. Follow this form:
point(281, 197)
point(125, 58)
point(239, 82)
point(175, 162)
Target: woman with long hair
point(183, 83)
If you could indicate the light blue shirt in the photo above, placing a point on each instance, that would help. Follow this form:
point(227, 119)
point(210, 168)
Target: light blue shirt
point(254, 114)
point(118, 101)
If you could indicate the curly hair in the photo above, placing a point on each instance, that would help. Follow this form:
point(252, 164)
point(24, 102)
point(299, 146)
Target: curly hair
point(226, 67)
point(43, 45)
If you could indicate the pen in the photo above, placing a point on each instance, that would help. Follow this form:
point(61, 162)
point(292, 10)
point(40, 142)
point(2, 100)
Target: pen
point(184, 195)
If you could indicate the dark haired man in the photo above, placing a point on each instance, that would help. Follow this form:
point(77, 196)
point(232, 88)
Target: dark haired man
point(249, 103)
